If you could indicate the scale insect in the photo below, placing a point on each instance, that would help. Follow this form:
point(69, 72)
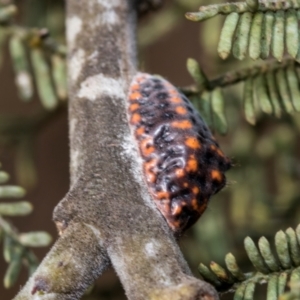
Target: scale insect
point(182, 162)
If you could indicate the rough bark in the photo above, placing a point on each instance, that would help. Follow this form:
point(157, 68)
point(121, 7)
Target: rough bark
point(108, 216)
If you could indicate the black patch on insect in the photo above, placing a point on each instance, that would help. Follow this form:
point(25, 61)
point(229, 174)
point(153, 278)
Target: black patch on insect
point(162, 96)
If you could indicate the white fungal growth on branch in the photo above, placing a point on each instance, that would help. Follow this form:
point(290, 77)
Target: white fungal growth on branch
point(152, 248)
point(109, 4)
point(74, 26)
point(75, 158)
point(109, 18)
point(94, 87)
point(76, 64)
point(74, 153)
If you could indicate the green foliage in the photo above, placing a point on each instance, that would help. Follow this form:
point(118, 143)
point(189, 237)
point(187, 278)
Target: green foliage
point(38, 61)
point(15, 245)
point(271, 88)
point(259, 28)
point(280, 271)
point(209, 102)
point(32, 48)
point(256, 27)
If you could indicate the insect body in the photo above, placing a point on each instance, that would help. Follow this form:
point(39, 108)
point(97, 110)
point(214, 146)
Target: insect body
point(183, 164)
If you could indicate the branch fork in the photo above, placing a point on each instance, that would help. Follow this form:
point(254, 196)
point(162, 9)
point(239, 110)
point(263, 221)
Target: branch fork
point(108, 217)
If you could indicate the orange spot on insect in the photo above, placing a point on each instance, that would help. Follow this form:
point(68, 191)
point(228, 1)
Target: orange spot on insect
point(181, 110)
point(172, 92)
point(135, 87)
point(192, 165)
point(150, 173)
point(175, 225)
point(135, 95)
point(216, 175)
point(134, 106)
point(195, 190)
point(202, 207)
point(136, 118)
point(179, 173)
point(140, 131)
point(151, 177)
point(218, 150)
point(148, 151)
point(147, 147)
point(192, 143)
point(176, 209)
point(175, 99)
point(163, 195)
point(185, 124)
point(194, 204)
point(140, 78)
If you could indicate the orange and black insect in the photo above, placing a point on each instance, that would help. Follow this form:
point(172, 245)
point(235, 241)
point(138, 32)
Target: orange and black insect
point(183, 164)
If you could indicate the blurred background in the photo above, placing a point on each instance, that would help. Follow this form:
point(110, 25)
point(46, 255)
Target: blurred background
point(263, 190)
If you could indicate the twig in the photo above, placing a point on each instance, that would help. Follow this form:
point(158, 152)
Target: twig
point(233, 77)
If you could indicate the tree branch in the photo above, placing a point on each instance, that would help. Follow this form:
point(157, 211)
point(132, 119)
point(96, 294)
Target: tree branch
point(237, 76)
point(108, 214)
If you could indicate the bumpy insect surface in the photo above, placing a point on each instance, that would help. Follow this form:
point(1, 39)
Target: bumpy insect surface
point(183, 164)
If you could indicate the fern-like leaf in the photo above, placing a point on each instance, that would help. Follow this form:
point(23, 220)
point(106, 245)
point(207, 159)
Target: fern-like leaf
point(280, 274)
point(270, 88)
point(15, 245)
point(256, 28)
point(47, 59)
